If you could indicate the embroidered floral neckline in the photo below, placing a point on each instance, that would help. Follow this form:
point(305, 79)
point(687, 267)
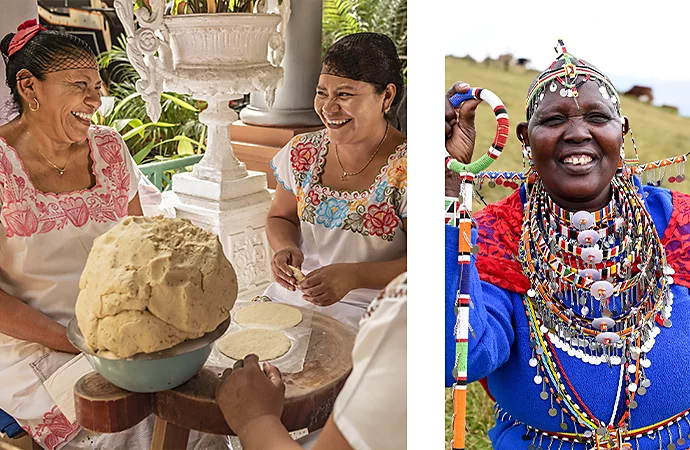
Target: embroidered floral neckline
point(344, 193)
point(94, 172)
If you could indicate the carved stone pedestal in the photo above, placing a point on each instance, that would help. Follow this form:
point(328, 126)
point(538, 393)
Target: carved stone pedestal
point(236, 211)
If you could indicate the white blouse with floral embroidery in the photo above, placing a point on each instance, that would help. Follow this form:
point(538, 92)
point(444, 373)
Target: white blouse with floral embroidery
point(342, 226)
point(45, 239)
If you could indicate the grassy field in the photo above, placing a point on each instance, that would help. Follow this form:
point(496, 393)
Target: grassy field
point(658, 134)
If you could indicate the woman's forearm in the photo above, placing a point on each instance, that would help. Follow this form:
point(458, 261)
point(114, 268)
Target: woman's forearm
point(21, 321)
point(281, 233)
point(377, 275)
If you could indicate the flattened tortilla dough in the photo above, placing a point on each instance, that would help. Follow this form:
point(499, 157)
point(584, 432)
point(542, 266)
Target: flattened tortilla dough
point(299, 276)
point(264, 343)
point(276, 316)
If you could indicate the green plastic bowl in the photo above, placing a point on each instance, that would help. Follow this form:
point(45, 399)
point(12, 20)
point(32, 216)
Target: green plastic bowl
point(151, 372)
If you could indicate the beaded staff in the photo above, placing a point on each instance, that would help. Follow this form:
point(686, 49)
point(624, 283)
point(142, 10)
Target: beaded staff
point(463, 218)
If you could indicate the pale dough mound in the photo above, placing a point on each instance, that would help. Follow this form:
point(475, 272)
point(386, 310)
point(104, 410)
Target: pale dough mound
point(270, 315)
point(264, 343)
point(151, 283)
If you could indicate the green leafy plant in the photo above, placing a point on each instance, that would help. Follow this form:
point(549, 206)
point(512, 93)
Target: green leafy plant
point(212, 6)
point(345, 17)
point(177, 133)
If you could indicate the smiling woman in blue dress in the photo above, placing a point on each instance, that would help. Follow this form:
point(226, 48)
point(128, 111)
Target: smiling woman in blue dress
point(340, 209)
point(580, 286)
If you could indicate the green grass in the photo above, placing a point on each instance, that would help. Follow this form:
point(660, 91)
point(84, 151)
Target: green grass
point(658, 134)
point(479, 418)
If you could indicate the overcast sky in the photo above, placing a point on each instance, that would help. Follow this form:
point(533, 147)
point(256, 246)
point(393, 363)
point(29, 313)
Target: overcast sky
point(620, 38)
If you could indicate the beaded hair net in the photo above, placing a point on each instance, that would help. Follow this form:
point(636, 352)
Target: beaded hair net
point(570, 72)
point(368, 57)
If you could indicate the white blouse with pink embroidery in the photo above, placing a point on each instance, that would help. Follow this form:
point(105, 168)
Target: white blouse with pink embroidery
point(45, 239)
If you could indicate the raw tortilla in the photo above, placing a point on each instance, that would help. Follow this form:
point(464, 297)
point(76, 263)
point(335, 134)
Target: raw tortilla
point(299, 276)
point(264, 343)
point(269, 315)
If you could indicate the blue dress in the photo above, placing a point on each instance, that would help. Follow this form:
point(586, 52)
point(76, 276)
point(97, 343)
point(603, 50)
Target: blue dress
point(499, 350)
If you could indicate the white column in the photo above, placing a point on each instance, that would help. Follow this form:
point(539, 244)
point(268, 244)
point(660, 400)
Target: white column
point(294, 104)
point(14, 12)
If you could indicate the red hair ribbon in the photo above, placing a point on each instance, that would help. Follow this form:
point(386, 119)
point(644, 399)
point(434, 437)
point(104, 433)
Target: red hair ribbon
point(25, 32)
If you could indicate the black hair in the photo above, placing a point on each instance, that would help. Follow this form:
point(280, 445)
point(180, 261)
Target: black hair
point(369, 57)
point(48, 51)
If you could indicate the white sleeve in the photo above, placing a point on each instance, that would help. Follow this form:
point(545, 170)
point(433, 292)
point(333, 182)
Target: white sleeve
point(134, 172)
point(282, 167)
point(371, 410)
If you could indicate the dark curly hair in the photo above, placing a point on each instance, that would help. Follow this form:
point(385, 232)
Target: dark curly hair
point(369, 57)
point(48, 51)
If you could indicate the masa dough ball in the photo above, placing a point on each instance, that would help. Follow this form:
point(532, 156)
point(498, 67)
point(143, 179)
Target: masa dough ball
point(264, 343)
point(268, 314)
point(151, 283)
point(299, 276)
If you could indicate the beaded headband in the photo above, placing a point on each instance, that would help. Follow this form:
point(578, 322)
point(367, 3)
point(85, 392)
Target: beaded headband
point(571, 74)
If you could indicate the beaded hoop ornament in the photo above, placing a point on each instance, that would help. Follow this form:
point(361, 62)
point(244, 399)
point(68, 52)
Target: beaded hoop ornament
point(502, 128)
point(465, 249)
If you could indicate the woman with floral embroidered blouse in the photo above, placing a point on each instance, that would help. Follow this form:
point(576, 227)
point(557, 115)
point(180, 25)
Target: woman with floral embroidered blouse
point(63, 183)
point(340, 210)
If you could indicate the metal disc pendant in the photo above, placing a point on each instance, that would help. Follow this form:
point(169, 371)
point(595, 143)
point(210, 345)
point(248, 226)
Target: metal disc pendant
point(531, 447)
point(564, 427)
point(601, 431)
point(671, 446)
point(553, 412)
point(537, 379)
point(642, 390)
point(544, 395)
point(61, 171)
point(646, 383)
point(633, 404)
point(680, 441)
point(553, 87)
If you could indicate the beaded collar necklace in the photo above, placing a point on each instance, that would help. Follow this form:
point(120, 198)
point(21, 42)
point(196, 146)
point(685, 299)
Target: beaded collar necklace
point(599, 288)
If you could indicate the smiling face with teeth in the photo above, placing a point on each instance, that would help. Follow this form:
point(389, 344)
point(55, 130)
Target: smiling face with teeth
point(68, 99)
point(575, 151)
point(352, 110)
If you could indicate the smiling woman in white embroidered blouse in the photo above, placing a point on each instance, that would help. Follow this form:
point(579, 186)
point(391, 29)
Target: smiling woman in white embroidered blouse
point(63, 183)
point(340, 211)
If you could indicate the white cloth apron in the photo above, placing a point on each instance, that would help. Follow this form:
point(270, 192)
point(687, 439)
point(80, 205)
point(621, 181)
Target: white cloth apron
point(342, 226)
point(45, 240)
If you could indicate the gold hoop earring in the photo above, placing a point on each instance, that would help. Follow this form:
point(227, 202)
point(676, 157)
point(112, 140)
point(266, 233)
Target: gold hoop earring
point(37, 106)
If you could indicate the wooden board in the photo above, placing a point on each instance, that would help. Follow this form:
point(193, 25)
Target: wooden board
point(309, 395)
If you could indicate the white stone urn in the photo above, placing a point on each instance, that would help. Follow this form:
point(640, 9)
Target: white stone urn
point(213, 57)
point(216, 58)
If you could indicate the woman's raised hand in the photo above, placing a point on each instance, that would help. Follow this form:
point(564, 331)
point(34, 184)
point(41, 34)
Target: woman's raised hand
point(460, 132)
point(292, 256)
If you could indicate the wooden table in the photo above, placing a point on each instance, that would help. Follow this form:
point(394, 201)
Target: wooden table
point(309, 395)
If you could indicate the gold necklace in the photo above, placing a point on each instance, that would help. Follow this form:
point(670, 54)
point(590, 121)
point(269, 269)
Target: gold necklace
point(60, 170)
point(346, 174)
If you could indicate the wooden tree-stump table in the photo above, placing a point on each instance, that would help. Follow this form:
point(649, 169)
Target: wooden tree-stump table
point(309, 394)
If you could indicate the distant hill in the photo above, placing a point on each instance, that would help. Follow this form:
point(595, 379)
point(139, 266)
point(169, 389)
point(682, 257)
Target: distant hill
point(658, 133)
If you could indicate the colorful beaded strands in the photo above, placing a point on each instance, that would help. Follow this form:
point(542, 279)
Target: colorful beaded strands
point(599, 292)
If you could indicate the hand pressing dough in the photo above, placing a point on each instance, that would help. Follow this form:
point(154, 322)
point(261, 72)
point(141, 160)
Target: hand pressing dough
point(299, 276)
point(276, 316)
point(264, 343)
point(150, 283)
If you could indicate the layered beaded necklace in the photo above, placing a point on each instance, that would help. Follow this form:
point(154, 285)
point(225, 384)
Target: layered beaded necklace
point(599, 290)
